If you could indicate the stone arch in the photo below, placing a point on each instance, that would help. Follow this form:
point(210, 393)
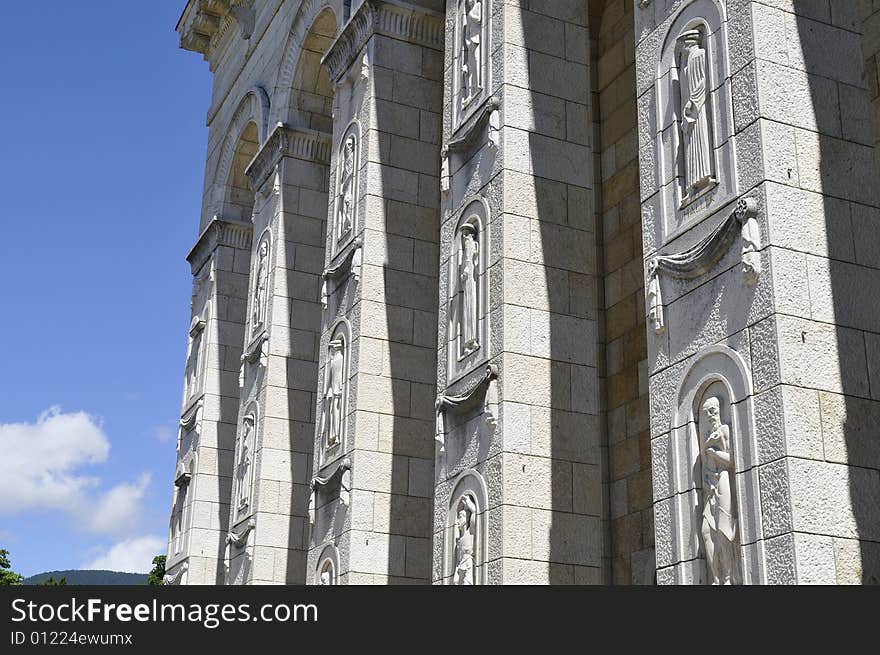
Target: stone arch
point(306, 17)
point(719, 371)
point(252, 110)
point(328, 563)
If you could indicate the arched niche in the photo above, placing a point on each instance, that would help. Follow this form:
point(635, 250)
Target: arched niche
point(307, 16)
point(196, 355)
point(695, 157)
point(232, 197)
point(466, 533)
point(468, 291)
point(332, 426)
point(245, 464)
point(261, 290)
point(346, 194)
point(327, 569)
point(311, 97)
point(716, 373)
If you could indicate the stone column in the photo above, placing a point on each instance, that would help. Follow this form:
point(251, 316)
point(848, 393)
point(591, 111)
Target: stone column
point(278, 376)
point(758, 188)
point(519, 486)
point(371, 500)
point(200, 511)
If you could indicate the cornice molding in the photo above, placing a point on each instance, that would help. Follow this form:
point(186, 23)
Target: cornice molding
point(398, 20)
point(219, 232)
point(204, 23)
point(286, 141)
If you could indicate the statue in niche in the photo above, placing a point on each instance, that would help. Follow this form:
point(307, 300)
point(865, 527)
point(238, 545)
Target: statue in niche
point(193, 364)
point(471, 49)
point(469, 269)
point(261, 285)
point(694, 113)
point(245, 465)
point(464, 541)
point(326, 578)
point(345, 215)
point(331, 417)
point(718, 528)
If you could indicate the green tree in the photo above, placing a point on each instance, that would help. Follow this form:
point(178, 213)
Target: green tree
point(52, 582)
point(7, 575)
point(157, 575)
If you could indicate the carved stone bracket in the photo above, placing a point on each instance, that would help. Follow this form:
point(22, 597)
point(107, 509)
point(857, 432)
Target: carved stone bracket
point(219, 232)
point(351, 262)
point(174, 578)
point(239, 539)
point(196, 326)
point(468, 400)
point(190, 417)
point(398, 20)
point(256, 353)
point(491, 112)
point(701, 257)
point(286, 141)
point(342, 472)
point(183, 475)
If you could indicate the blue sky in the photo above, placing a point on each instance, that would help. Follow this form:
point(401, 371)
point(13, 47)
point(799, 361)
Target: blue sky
point(102, 145)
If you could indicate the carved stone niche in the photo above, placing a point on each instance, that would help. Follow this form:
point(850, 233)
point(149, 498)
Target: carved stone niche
point(694, 152)
point(333, 405)
point(707, 508)
point(327, 570)
point(467, 333)
point(260, 289)
point(245, 465)
point(466, 531)
point(470, 60)
point(347, 192)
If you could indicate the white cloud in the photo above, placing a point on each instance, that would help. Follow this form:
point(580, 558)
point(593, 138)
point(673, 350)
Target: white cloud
point(118, 510)
point(131, 556)
point(41, 470)
point(163, 432)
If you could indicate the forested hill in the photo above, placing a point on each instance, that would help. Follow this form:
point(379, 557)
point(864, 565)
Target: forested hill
point(89, 578)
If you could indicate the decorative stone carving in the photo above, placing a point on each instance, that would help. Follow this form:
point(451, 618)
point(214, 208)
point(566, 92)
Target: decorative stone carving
point(351, 263)
point(256, 353)
point(239, 539)
point(341, 473)
point(467, 401)
point(495, 129)
point(470, 277)
point(718, 527)
point(261, 286)
point(191, 419)
point(195, 357)
point(331, 420)
point(701, 257)
point(464, 541)
point(694, 114)
point(345, 210)
point(466, 531)
point(445, 178)
point(171, 579)
point(244, 467)
point(246, 18)
point(471, 56)
point(328, 565)
point(468, 299)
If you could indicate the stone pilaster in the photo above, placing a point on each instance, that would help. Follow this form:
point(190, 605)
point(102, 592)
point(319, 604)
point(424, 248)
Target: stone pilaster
point(267, 542)
point(373, 461)
point(774, 324)
point(519, 458)
point(200, 512)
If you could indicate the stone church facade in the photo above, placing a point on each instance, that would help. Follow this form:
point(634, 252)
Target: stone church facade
point(534, 291)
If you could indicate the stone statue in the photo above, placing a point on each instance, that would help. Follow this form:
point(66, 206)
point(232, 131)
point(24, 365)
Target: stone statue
point(718, 524)
point(243, 472)
point(331, 416)
point(694, 115)
point(469, 289)
point(326, 577)
point(345, 216)
point(261, 285)
point(471, 49)
point(464, 541)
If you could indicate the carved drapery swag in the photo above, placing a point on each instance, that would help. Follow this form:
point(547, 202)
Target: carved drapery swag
point(350, 263)
point(467, 400)
point(171, 579)
point(343, 472)
point(703, 255)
